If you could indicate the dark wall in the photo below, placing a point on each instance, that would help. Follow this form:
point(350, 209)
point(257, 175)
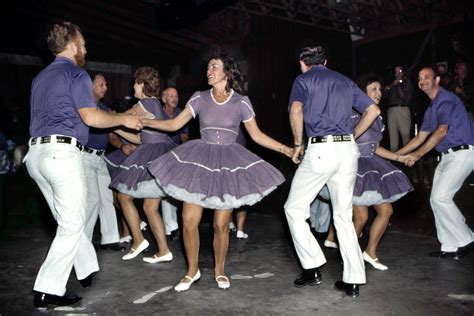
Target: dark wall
point(381, 56)
point(15, 84)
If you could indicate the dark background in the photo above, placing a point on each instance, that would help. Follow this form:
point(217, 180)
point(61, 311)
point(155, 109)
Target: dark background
point(129, 34)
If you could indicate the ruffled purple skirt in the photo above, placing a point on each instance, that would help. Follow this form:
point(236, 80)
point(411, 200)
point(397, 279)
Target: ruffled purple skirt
point(378, 182)
point(215, 176)
point(113, 160)
point(133, 177)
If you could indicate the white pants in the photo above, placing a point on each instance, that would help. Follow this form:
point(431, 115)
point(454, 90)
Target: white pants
point(398, 123)
point(168, 211)
point(334, 164)
point(100, 201)
point(59, 173)
point(449, 176)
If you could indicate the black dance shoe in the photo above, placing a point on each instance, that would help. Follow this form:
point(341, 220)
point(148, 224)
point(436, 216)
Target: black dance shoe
point(442, 254)
point(309, 277)
point(174, 235)
point(456, 255)
point(463, 251)
point(87, 282)
point(42, 300)
point(350, 289)
point(114, 246)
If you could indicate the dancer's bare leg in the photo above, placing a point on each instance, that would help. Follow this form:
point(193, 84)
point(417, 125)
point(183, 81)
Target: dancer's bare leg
point(241, 216)
point(384, 211)
point(360, 217)
point(221, 239)
point(130, 213)
point(191, 218)
point(150, 207)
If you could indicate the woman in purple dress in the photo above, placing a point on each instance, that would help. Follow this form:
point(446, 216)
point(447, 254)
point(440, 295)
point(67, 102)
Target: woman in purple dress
point(378, 182)
point(215, 172)
point(133, 180)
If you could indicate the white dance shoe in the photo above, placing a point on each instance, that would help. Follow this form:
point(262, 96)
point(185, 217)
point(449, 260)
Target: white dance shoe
point(125, 239)
point(242, 235)
point(143, 226)
point(155, 259)
point(330, 244)
point(184, 286)
point(222, 282)
point(374, 262)
point(135, 252)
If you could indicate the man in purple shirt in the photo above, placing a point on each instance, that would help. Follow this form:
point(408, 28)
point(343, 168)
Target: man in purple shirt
point(447, 128)
point(100, 201)
point(62, 108)
point(322, 99)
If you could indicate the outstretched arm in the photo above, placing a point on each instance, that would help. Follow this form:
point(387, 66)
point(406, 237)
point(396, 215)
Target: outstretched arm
point(170, 125)
point(264, 140)
point(414, 143)
point(95, 117)
point(435, 138)
point(387, 154)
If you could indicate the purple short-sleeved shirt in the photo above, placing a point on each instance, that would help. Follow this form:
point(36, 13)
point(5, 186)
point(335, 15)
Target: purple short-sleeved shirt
point(220, 122)
point(99, 138)
point(447, 109)
point(328, 98)
point(57, 93)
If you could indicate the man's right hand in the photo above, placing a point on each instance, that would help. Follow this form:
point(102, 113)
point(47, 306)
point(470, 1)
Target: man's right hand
point(132, 121)
point(298, 152)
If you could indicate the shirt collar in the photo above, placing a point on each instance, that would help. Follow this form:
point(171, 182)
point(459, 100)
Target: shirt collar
point(62, 59)
point(437, 95)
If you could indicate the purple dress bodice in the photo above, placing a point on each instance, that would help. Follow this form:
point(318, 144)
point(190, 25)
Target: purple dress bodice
point(220, 122)
point(368, 141)
point(151, 136)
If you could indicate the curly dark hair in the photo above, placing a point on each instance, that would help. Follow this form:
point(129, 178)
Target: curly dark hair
point(150, 78)
point(314, 55)
point(365, 79)
point(232, 71)
point(61, 35)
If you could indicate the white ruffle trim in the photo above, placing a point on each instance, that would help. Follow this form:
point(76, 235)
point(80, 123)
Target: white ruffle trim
point(214, 202)
point(215, 169)
point(369, 198)
point(145, 190)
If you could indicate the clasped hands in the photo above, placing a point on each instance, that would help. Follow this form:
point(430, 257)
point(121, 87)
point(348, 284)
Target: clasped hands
point(408, 159)
point(297, 153)
point(135, 121)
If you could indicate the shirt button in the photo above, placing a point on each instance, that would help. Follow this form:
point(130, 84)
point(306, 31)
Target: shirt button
point(217, 132)
point(218, 136)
